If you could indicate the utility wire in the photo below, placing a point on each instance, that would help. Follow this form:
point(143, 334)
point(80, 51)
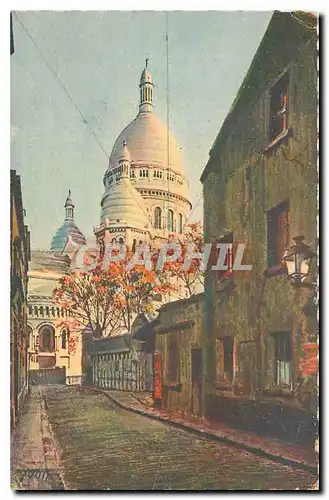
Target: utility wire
point(168, 123)
point(61, 84)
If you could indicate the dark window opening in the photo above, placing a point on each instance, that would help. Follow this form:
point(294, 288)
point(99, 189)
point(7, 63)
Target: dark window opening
point(157, 218)
point(225, 350)
point(279, 108)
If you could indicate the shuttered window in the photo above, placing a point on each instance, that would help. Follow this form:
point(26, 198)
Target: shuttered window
point(278, 233)
point(173, 360)
point(283, 359)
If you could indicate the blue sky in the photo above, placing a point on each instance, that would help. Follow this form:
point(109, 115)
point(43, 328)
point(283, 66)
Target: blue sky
point(99, 57)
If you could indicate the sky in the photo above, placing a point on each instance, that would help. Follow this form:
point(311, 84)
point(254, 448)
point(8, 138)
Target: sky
point(98, 57)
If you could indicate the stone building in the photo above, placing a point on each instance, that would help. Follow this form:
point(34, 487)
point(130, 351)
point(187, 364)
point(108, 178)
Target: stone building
point(49, 338)
point(19, 262)
point(178, 339)
point(260, 188)
point(146, 191)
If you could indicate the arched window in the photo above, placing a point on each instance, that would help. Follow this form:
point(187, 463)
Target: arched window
point(41, 310)
point(30, 336)
point(36, 311)
point(134, 246)
point(180, 223)
point(30, 310)
point(58, 312)
point(157, 218)
point(170, 220)
point(46, 339)
point(121, 241)
point(65, 337)
point(47, 310)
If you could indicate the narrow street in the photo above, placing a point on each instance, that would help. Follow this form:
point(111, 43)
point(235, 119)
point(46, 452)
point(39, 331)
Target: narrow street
point(104, 447)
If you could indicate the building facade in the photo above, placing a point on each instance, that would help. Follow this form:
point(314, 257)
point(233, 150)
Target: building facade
point(146, 191)
point(19, 262)
point(260, 188)
point(50, 346)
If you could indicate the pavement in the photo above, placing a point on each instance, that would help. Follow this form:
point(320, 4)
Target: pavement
point(284, 452)
point(34, 453)
point(77, 438)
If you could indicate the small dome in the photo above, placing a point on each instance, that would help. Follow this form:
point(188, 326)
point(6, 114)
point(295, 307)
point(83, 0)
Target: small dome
point(146, 75)
point(124, 154)
point(68, 228)
point(69, 202)
point(123, 202)
point(61, 236)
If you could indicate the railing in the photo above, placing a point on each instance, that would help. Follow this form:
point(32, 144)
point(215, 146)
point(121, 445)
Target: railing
point(124, 371)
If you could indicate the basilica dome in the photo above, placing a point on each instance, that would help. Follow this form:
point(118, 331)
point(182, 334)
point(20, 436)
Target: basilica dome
point(147, 138)
point(145, 184)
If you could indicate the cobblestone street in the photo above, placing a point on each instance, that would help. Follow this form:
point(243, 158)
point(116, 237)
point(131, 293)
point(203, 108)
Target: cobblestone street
point(105, 447)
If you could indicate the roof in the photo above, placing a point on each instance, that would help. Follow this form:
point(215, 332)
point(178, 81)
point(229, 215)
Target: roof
point(47, 261)
point(275, 51)
point(118, 343)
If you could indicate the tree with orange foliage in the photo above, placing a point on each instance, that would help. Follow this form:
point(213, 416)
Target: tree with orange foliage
point(107, 298)
point(186, 272)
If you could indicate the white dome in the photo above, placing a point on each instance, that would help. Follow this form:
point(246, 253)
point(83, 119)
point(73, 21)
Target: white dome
point(122, 202)
point(147, 142)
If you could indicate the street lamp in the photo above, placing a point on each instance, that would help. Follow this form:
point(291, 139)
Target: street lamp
point(298, 260)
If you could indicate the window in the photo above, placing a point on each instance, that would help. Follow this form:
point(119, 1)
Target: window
point(173, 373)
point(248, 184)
point(157, 218)
point(47, 338)
point(278, 233)
point(170, 220)
point(225, 350)
point(64, 338)
point(134, 246)
point(279, 108)
point(47, 310)
point(229, 258)
point(283, 359)
point(180, 223)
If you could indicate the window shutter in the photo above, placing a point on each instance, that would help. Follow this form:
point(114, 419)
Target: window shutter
point(270, 365)
point(271, 240)
point(220, 358)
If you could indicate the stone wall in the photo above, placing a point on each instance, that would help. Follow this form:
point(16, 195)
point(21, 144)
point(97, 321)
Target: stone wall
point(178, 339)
